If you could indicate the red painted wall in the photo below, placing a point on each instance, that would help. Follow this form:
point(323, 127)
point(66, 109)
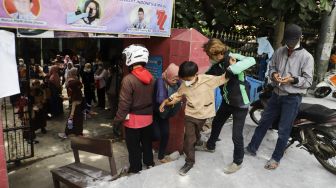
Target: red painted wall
point(3, 167)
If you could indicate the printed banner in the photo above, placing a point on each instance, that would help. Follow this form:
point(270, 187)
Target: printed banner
point(36, 33)
point(136, 17)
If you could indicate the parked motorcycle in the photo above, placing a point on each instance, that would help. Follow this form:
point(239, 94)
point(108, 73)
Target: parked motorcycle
point(314, 129)
point(327, 86)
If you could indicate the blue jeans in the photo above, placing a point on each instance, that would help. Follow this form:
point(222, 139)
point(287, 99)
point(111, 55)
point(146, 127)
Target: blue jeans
point(285, 107)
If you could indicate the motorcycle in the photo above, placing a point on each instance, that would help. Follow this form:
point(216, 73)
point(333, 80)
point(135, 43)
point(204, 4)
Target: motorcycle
point(327, 86)
point(314, 129)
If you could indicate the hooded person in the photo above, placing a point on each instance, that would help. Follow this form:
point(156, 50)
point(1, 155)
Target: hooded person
point(164, 88)
point(135, 108)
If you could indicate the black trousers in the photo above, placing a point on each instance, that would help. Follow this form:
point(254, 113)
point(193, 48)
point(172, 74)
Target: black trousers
point(239, 115)
point(161, 132)
point(101, 97)
point(139, 146)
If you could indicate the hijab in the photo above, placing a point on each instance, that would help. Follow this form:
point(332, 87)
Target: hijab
point(170, 74)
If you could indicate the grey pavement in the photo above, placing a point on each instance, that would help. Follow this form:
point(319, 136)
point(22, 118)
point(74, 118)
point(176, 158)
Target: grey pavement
point(297, 169)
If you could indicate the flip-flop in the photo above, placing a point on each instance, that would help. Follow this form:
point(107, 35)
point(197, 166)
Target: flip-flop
point(271, 164)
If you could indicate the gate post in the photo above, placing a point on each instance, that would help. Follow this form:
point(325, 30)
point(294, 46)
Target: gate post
point(3, 167)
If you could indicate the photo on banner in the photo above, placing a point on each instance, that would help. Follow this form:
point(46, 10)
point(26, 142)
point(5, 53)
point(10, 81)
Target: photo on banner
point(128, 17)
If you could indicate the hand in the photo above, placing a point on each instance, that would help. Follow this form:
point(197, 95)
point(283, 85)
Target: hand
point(163, 104)
point(287, 80)
point(276, 77)
point(232, 61)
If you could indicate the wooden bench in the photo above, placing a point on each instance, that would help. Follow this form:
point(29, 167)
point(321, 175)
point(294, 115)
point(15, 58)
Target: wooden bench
point(78, 174)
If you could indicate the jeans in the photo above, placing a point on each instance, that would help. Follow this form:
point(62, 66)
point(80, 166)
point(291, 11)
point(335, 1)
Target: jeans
point(285, 107)
point(239, 115)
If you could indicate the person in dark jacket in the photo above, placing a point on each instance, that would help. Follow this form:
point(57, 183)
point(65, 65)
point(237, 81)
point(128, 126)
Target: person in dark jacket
point(135, 108)
point(235, 98)
point(164, 87)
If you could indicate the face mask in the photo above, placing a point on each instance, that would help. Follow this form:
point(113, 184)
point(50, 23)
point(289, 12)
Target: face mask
point(213, 62)
point(189, 83)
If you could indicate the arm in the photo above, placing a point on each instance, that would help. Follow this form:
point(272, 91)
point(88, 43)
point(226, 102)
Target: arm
point(242, 64)
point(217, 81)
point(173, 99)
point(125, 101)
point(305, 80)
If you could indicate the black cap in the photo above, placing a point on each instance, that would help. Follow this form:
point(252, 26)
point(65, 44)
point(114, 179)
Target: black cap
point(292, 34)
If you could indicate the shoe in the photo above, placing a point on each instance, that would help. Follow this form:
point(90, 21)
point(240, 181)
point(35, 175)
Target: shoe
point(204, 148)
point(166, 159)
point(62, 135)
point(185, 169)
point(232, 168)
point(247, 151)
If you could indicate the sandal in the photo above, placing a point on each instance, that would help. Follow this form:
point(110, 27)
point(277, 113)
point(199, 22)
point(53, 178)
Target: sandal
point(271, 164)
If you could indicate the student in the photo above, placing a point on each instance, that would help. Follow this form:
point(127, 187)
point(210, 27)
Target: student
point(235, 98)
point(74, 125)
point(135, 108)
point(199, 93)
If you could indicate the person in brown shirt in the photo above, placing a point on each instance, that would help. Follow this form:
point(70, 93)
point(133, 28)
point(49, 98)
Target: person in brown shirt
point(199, 93)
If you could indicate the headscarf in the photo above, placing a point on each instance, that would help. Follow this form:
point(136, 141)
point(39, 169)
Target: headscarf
point(170, 73)
point(54, 77)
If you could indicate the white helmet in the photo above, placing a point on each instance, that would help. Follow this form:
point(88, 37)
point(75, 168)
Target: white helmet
point(135, 54)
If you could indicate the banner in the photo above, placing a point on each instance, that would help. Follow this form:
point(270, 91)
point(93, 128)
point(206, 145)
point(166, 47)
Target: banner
point(36, 33)
point(135, 17)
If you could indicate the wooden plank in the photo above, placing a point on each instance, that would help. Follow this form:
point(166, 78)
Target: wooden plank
point(92, 145)
point(89, 170)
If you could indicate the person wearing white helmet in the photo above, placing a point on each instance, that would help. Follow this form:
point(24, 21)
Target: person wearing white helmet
point(135, 108)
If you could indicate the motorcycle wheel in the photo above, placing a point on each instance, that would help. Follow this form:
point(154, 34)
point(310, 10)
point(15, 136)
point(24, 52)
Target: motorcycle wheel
point(327, 159)
point(322, 92)
point(255, 114)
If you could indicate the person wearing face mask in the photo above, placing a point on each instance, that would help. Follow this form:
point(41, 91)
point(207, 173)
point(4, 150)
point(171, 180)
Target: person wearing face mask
point(164, 88)
point(198, 90)
point(235, 98)
point(291, 72)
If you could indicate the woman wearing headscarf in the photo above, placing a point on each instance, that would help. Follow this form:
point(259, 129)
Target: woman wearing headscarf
point(100, 76)
point(164, 87)
point(88, 82)
point(74, 124)
point(56, 102)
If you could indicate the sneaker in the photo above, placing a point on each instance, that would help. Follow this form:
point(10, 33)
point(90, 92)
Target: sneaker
point(184, 170)
point(232, 168)
point(62, 135)
point(247, 151)
point(204, 148)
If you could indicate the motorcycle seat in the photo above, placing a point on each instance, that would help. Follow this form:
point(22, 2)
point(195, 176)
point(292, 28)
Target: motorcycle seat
point(316, 113)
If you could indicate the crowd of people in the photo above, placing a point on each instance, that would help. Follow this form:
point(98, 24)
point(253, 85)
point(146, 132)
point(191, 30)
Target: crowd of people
point(44, 87)
point(143, 106)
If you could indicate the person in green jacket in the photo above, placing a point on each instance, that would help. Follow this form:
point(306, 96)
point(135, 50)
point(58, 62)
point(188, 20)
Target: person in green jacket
point(235, 98)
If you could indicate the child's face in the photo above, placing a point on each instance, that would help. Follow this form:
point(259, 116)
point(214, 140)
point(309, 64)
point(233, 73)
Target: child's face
point(188, 81)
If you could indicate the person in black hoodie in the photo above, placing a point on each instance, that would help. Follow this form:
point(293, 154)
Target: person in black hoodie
point(135, 108)
point(235, 98)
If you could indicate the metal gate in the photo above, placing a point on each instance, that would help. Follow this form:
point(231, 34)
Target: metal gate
point(17, 132)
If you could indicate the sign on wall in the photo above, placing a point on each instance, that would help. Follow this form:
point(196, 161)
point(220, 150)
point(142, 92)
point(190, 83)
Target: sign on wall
point(154, 66)
point(138, 17)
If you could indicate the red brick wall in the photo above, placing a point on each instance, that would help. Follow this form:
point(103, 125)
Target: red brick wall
point(3, 167)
